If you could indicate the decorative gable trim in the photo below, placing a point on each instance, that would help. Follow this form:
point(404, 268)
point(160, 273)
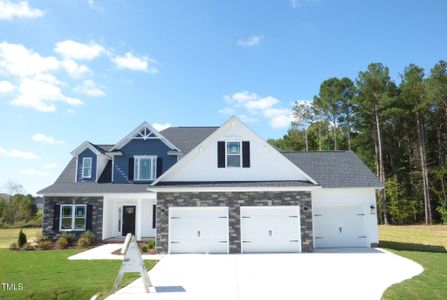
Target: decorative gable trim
point(231, 122)
point(83, 146)
point(144, 132)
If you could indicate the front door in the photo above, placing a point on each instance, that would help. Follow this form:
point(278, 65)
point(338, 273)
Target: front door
point(129, 219)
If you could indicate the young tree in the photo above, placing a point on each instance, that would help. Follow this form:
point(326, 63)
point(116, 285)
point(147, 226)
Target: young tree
point(303, 117)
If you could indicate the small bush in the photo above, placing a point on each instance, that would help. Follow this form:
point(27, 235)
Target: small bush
point(13, 246)
point(87, 239)
point(68, 237)
point(21, 239)
point(151, 244)
point(144, 248)
point(61, 243)
point(28, 246)
point(45, 245)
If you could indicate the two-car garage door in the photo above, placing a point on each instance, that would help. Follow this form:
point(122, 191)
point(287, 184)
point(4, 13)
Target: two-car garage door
point(206, 229)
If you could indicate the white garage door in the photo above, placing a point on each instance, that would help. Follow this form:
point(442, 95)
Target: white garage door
point(198, 229)
point(270, 229)
point(339, 227)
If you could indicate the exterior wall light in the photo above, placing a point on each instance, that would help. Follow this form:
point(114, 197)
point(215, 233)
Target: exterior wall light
point(373, 209)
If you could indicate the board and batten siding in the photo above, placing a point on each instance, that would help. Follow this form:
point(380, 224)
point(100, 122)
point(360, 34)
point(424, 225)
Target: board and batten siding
point(140, 147)
point(86, 153)
point(266, 163)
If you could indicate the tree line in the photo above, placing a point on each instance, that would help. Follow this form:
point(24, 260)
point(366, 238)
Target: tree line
point(399, 129)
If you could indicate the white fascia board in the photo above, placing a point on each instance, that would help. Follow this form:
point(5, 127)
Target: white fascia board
point(129, 137)
point(353, 188)
point(184, 161)
point(143, 195)
point(84, 146)
point(231, 189)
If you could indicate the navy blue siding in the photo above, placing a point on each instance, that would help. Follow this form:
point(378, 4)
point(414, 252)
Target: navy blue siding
point(86, 153)
point(140, 147)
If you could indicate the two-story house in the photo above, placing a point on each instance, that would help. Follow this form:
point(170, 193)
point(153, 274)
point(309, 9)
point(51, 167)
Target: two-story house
point(214, 190)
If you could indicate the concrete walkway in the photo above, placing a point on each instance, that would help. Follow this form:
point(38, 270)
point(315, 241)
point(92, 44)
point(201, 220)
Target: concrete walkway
point(331, 274)
point(105, 252)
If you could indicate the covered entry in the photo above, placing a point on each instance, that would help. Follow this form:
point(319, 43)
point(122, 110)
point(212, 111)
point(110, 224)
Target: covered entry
point(198, 230)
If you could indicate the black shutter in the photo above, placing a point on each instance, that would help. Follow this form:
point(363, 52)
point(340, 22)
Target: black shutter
point(56, 218)
point(221, 154)
point(159, 167)
point(88, 221)
point(246, 154)
point(154, 215)
point(131, 169)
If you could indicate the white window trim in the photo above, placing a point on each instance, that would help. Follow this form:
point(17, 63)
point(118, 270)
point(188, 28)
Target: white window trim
point(226, 154)
point(136, 167)
point(73, 211)
point(91, 167)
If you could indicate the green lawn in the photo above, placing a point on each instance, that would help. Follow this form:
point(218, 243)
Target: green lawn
point(426, 245)
point(50, 275)
point(8, 236)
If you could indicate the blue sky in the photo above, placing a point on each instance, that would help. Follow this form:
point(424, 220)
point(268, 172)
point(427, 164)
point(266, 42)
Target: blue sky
point(72, 71)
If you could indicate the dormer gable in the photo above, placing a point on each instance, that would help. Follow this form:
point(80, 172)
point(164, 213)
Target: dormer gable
point(90, 162)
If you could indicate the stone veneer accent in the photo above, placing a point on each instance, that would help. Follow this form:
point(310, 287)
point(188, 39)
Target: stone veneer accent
point(234, 200)
point(48, 214)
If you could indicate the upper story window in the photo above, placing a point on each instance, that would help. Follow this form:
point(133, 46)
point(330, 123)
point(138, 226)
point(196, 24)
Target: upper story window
point(86, 167)
point(234, 154)
point(145, 167)
point(73, 217)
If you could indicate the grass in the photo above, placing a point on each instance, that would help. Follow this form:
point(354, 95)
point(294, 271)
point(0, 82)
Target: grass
point(50, 275)
point(8, 236)
point(427, 245)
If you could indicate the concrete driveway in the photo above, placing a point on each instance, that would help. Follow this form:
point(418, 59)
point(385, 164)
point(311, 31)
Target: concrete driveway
point(341, 274)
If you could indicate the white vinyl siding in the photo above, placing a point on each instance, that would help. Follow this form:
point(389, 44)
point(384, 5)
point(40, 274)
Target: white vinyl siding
point(145, 168)
point(86, 167)
point(73, 217)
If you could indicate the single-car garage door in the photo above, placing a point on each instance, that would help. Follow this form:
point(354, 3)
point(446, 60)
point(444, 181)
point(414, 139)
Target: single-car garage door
point(198, 230)
point(270, 229)
point(342, 226)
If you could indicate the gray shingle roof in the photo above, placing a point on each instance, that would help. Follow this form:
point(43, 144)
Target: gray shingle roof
point(335, 169)
point(195, 184)
point(187, 138)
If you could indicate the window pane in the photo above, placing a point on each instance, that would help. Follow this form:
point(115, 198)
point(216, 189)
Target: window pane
point(66, 223)
point(233, 160)
point(233, 148)
point(79, 223)
point(145, 169)
point(66, 211)
point(80, 211)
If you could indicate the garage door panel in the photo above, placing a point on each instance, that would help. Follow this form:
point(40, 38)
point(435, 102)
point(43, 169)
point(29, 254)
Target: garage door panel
point(198, 230)
point(270, 229)
point(339, 227)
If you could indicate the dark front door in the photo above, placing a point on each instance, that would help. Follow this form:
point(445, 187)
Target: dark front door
point(128, 220)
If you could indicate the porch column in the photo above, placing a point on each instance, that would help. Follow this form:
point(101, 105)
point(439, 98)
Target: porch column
point(138, 220)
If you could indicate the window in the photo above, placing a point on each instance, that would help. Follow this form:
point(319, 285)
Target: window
point(145, 167)
point(234, 154)
point(87, 167)
point(73, 217)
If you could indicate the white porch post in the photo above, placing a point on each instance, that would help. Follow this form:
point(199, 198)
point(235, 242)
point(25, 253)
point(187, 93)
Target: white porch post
point(138, 220)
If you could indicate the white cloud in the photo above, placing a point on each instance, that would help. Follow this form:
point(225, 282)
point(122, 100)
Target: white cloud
point(255, 106)
point(131, 62)
point(251, 41)
point(74, 69)
point(14, 153)
point(89, 87)
point(160, 127)
point(10, 10)
point(75, 50)
point(17, 60)
point(93, 5)
point(42, 138)
point(50, 166)
point(33, 172)
point(300, 3)
point(71, 111)
point(41, 93)
point(6, 87)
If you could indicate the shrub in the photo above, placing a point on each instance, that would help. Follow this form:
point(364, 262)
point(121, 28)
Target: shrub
point(68, 237)
point(28, 246)
point(151, 244)
point(21, 239)
point(45, 245)
point(442, 210)
point(13, 246)
point(87, 239)
point(61, 243)
point(144, 248)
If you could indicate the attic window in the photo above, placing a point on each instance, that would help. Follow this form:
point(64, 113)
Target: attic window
point(234, 154)
point(87, 167)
